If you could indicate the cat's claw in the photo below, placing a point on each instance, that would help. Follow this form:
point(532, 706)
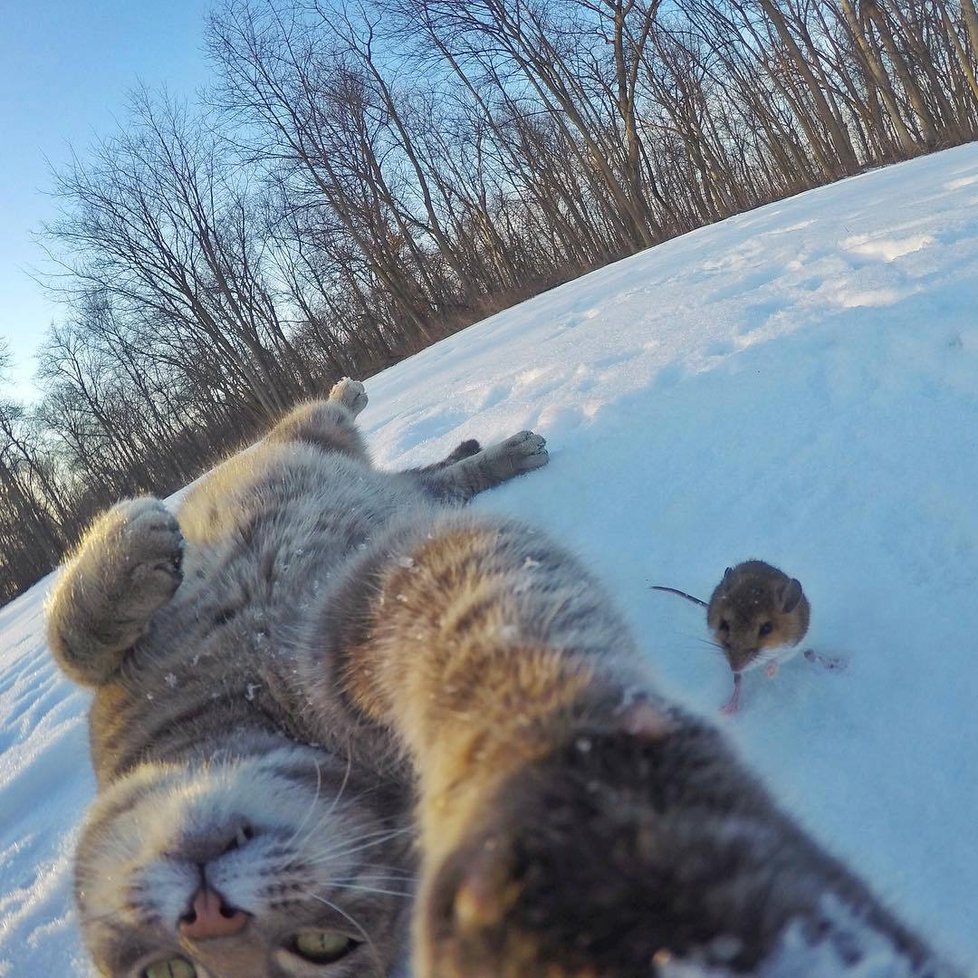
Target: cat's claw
point(351, 394)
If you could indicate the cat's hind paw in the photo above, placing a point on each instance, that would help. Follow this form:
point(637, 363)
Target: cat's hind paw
point(519, 453)
point(128, 566)
point(351, 394)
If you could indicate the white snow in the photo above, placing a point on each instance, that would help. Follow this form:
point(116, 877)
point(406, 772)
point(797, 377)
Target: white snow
point(799, 384)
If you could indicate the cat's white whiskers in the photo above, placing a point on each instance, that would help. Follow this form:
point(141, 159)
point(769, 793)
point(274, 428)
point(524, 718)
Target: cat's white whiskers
point(312, 804)
point(370, 876)
point(373, 877)
point(311, 830)
point(343, 784)
point(370, 889)
point(351, 802)
point(343, 844)
point(375, 839)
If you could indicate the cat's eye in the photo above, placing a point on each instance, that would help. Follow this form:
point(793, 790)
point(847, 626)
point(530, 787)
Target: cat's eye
point(171, 968)
point(724, 625)
point(766, 628)
point(322, 946)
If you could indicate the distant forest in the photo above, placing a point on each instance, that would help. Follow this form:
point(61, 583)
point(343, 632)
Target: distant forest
point(365, 178)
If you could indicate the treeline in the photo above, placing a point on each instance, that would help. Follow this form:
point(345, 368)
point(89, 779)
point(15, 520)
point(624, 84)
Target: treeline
point(362, 180)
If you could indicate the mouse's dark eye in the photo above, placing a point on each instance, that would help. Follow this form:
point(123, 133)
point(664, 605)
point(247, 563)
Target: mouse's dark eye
point(766, 628)
point(724, 625)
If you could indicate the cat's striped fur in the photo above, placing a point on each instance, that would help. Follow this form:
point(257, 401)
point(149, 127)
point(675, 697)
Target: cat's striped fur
point(202, 725)
point(309, 643)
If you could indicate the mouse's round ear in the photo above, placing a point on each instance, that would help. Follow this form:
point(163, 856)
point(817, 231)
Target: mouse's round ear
point(790, 595)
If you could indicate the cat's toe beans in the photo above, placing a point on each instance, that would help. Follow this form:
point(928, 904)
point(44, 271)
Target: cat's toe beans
point(527, 442)
point(152, 539)
point(527, 450)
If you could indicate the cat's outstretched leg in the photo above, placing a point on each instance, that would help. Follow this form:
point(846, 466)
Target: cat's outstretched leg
point(573, 823)
point(486, 468)
point(127, 567)
point(329, 425)
point(465, 449)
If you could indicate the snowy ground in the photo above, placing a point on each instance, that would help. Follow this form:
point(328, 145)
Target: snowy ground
point(799, 384)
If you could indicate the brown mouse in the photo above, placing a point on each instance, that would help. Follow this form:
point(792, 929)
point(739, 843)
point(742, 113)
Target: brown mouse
point(753, 612)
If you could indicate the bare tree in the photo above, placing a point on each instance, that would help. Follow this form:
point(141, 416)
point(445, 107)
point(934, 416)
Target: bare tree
point(157, 223)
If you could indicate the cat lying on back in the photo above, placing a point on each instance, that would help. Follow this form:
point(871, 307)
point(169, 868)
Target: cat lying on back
point(313, 654)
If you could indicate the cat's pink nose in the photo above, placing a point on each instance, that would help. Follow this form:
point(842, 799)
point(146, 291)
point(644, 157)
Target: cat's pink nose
point(209, 917)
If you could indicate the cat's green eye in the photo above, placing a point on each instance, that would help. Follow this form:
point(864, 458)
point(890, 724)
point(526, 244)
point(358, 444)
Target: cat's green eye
point(322, 946)
point(171, 968)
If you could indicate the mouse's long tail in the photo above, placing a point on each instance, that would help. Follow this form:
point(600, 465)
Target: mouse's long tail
point(682, 594)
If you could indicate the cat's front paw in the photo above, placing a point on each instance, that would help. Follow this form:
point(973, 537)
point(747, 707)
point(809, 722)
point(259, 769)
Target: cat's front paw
point(149, 548)
point(569, 872)
point(521, 452)
point(646, 851)
point(351, 394)
point(534, 890)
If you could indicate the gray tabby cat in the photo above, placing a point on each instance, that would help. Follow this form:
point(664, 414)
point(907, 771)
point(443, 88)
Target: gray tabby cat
point(311, 649)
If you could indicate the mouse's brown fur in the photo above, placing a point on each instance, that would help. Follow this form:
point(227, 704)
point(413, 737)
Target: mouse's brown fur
point(756, 608)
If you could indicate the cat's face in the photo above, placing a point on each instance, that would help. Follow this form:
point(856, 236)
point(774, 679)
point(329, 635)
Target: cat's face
point(311, 870)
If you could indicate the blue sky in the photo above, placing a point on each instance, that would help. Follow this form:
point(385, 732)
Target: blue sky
point(65, 69)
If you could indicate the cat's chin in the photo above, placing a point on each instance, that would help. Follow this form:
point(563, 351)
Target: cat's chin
point(283, 837)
